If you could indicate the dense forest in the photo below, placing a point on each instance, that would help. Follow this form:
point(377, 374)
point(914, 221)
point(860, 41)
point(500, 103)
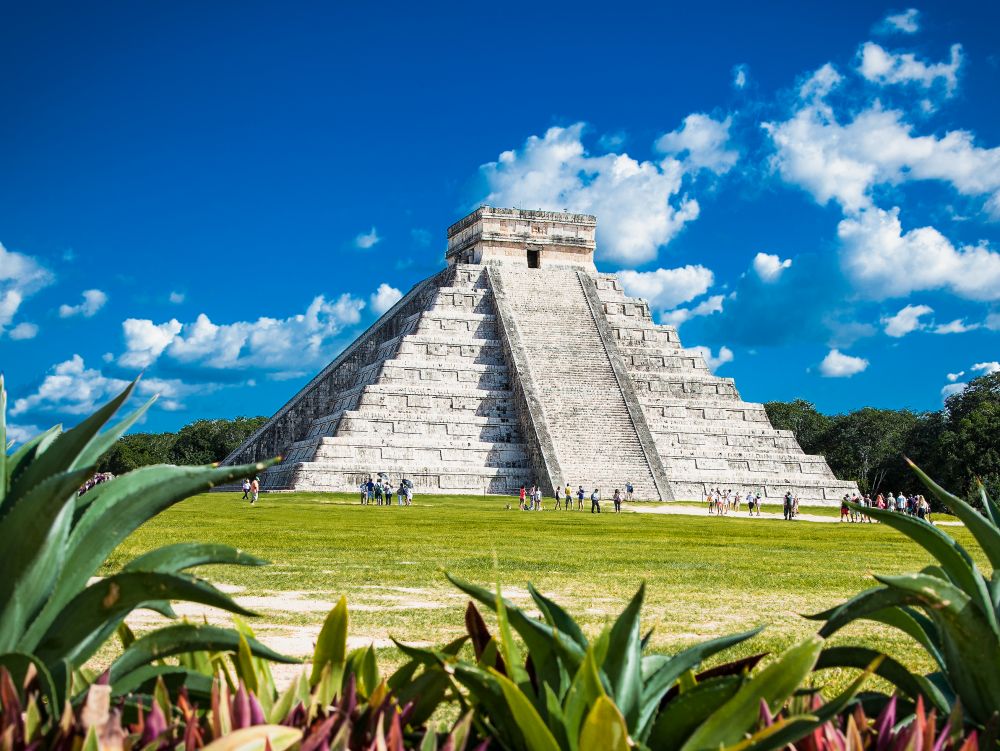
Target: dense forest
point(955, 444)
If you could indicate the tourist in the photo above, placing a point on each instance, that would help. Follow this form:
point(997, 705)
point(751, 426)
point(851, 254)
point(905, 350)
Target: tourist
point(628, 491)
point(538, 498)
point(569, 497)
point(254, 490)
point(523, 495)
point(401, 493)
point(618, 501)
point(371, 489)
point(750, 504)
point(595, 501)
point(736, 501)
point(246, 488)
point(558, 506)
point(901, 502)
point(363, 487)
point(409, 495)
point(758, 502)
point(711, 503)
point(844, 510)
point(788, 506)
point(378, 492)
point(579, 498)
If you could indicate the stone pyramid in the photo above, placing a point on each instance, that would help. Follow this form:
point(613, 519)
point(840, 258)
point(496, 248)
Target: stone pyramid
point(520, 364)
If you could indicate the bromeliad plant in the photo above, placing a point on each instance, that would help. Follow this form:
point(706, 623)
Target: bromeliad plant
point(950, 609)
point(52, 618)
point(574, 694)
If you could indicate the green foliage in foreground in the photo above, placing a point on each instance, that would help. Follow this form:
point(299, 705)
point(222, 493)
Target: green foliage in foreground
point(52, 620)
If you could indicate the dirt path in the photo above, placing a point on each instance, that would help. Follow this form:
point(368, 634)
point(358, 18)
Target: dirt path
point(692, 510)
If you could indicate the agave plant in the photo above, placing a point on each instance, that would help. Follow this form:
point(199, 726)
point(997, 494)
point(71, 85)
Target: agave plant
point(53, 618)
point(343, 702)
point(575, 694)
point(950, 609)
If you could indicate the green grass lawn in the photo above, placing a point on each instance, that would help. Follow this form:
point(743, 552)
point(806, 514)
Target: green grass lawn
point(705, 576)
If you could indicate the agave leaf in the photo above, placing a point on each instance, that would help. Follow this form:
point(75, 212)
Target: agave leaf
point(3, 443)
point(623, 665)
point(885, 667)
point(558, 618)
point(93, 615)
point(536, 735)
point(143, 680)
point(65, 451)
point(773, 685)
point(657, 684)
point(954, 559)
point(185, 637)
point(604, 729)
point(862, 605)
point(33, 541)
point(968, 639)
point(22, 458)
point(508, 647)
point(991, 506)
point(118, 509)
point(18, 663)
point(681, 716)
point(331, 645)
point(257, 738)
point(184, 555)
point(913, 624)
point(584, 691)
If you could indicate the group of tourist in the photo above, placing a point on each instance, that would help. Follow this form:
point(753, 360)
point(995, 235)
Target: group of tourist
point(914, 505)
point(95, 480)
point(721, 502)
point(380, 491)
point(531, 499)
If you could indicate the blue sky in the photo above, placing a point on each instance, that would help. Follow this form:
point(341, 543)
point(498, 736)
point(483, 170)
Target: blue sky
point(223, 195)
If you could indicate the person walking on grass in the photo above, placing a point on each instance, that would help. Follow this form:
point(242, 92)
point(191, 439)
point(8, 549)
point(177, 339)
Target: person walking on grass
point(579, 498)
point(844, 510)
point(629, 489)
point(378, 493)
point(558, 506)
point(788, 506)
point(246, 488)
point(711, 503)
point(401, 493)
point(595, 501)
point(617, 498)
point(254, 490)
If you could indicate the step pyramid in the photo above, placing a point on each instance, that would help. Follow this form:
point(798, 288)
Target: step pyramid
point(519, 364)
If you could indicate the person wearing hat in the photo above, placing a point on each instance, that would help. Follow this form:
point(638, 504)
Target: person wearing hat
point(254, 490)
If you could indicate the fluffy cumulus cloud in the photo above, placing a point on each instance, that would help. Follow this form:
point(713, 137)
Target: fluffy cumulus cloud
point(702, 143)
point(384, 298)
point(23, 330)
point(884, 261)
point(71, 388)
point(880, 66)
point(714, 362)
point(668, 288)
point(906, 320)
point(844, 162)
point(270, 344)
point(907, 22)
point(706, 307)
point(639, 203)
point(366, 240)
point(741, 76)
point(93, 301)
point(958, 326)
point(987, 368)
point(954, 386)
point(769, 266)
point(20, 277)
point(838, 365)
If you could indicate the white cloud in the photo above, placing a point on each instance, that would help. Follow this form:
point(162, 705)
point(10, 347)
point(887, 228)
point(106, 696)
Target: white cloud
point(144, 340)
point(22, 433)
point(667, 288)
point(952, 377)
point(20, 277)
point(701, 143)
point(951, 389)
point(267, 343)
point(366, 240)
point(958, 326)
point(741, 76)
point(24, 330)
point(883, 67)
point(631, 198)
point(906, 320)
point(706, 307)
point(992, 322)
point(176, 297)
point(883, 261)
point(838, 365)
point(71, 388)
point(384, 298)
point(987, 368)
point(769, 266)
point(820, 83)
point(714, 362)
point(844, 162)
point(93, 301)
point(907, 22)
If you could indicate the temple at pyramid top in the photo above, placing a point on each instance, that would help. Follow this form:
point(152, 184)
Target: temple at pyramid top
point(520, 364)
point(532, 239)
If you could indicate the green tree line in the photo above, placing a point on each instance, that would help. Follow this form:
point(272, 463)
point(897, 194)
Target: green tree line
point(199, 442)
point(954, 445)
